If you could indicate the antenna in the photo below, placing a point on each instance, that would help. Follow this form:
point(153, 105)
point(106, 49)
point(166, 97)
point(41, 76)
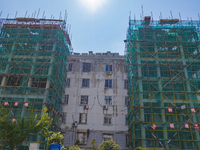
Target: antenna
point(171, 14)
point(198, 16)
point(180, 15)
point(34, 14)
point(142, 12)
point(38, 13)
point(152, 15)
point(7, 16)
point(60, 16)
point(43, 15)
point(0, 13)
point(160, 15)
point(134, 17)
point(25, 14)
point(16, 14)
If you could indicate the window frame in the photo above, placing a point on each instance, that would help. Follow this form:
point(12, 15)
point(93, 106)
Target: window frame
point(86, 67)
point(126, 120)
point(108, 117)
point(108, 68)
point(64, 117)
point(83, 99)
point(107, 136)
point(126, 84)
point(70, 67)
point(126, 99)
point(66, 99)
point(108, 98)
point(84, 138)
point(85, 83)
point(81, 118)
point(68, 82)
point(108, 82)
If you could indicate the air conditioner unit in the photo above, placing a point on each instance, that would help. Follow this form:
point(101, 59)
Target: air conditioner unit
point(85, 107)
point(75, 124)
point(105, 107)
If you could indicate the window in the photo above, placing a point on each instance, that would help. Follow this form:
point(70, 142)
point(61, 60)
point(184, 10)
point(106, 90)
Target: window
point(86, 66)
point(68, 83)
point(108, 83)
point(127, 140)
point(126, 120)
point(125, 68)
point(108, 68)
point(84, 99)
point(126, 100)
point(126, 84)
point(107, 137)
point(64, 117)
point(14, 80)
point(107, 119)
point(82, 138)
point(83, 118)
point(85, 82)
point(66, 98)
point(108, 100)
point(70, 67)
point(39, 83)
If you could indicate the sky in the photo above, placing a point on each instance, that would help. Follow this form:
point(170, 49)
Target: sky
point(100, 25)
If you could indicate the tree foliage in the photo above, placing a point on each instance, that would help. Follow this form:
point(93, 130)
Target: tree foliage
point(93, 145)
point(75, 148)
point(109, 145)
point(55, 138)
point(13, 134)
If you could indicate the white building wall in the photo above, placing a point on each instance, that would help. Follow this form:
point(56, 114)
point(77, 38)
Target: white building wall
point(95, 128)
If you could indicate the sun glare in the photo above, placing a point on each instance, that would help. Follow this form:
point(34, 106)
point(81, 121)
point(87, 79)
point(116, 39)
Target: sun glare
point(92, 4)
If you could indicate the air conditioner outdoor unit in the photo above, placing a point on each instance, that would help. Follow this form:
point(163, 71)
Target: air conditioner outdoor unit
point(75, 124)
point(109, 72)
point(85, 107)
point(105, 107)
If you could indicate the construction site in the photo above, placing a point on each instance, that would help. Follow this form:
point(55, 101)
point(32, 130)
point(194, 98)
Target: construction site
point(164, 83)
point(33, 59)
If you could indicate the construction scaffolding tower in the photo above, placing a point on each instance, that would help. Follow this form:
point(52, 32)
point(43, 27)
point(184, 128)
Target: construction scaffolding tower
point(163, 59)
point(33, 60)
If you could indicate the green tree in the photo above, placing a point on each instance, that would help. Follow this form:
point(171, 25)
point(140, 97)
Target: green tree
point(55, 138)
point(75, 148)
point(13, 134)
point(109, 145)
point(93, 145)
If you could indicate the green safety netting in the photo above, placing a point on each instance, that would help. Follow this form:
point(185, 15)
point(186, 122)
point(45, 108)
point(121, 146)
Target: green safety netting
point(164, 72)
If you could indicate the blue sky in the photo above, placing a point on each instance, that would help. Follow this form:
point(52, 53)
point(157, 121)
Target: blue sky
point(103, 27)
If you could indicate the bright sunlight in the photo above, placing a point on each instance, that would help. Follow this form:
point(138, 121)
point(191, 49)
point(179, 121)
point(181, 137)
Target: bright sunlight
point(92, 4)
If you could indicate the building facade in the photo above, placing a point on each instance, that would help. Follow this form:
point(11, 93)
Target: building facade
point(164, 90)
point(95, 101)
point(33, 60)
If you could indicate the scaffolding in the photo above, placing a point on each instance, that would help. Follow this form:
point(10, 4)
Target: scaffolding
point(33, 60)
point(163, 59)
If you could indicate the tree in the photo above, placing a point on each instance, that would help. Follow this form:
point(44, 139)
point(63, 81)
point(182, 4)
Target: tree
point(109, 145)
point(75, 148)
point(93, 145)
point(15, 133)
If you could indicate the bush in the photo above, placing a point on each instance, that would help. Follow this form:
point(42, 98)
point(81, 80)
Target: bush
point(109, 145)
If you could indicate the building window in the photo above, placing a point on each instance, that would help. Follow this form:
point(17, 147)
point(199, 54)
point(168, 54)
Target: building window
point(86, 67)
point(81, 138)
point(125, 68)
point(108, 100)
point(108, 68)
point(108, 83)
point(69, 67)
point(39, 83)
point(126, 120)
point(83, 118)
point(64, 116)
point(126, 100)
point(66, 98)
point(126, 84)
point(85, 82)
point(127, 140)
point(84, 99)
point(14, 80)
point(68, 83)
point(107, 137)
point(107, 119)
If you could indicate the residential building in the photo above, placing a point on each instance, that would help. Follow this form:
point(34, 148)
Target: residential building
point(33, 59)
point(97, 99)
point(164, 84)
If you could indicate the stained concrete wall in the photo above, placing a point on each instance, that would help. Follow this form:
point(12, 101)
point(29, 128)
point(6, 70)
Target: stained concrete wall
point(96, 92)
